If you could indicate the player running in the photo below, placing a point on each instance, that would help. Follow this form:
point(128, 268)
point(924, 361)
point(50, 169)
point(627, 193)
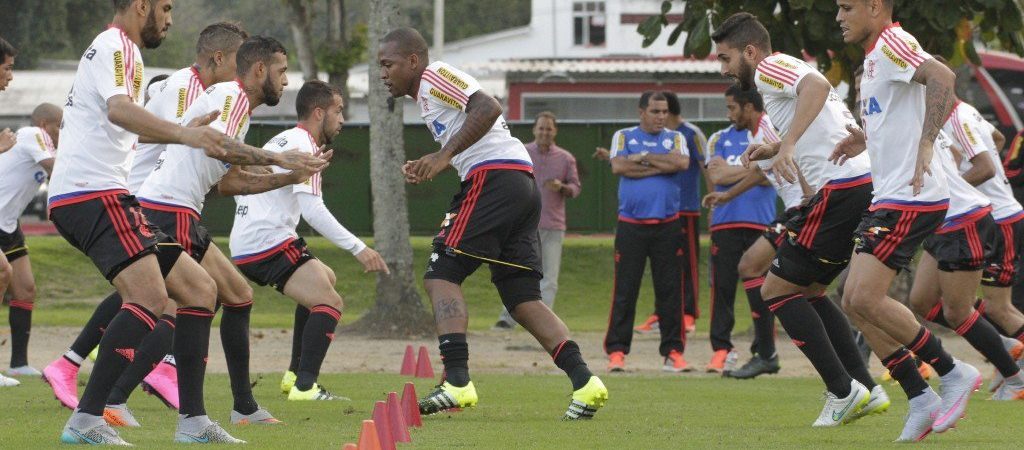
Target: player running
point(7, 141)
point(492, 219)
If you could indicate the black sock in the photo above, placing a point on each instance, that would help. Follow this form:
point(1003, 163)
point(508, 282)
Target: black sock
point(301, 316)
point(929, 349)
point(1019, 334)
point(808, 333)
point(567, 357)
point(935, 315)
point(316, 338)
point(90, 335)
point(151, 350)
point(903, 369)
point(980, 306)
point(117, 350)
point(234, 335)
point(764, 320)
point(20, 318)
point(840, 334)
point(985, 339)
point(455, 356)
point(191, 348)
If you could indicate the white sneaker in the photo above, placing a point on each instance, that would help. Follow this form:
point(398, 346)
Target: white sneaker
point(878, 403)
point(957, 387)
point(23, 371)
point(838, 411)
point(8, 381)
point(921, 416)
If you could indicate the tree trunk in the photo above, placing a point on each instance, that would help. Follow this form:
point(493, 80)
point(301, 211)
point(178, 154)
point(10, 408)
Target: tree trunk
point(399, 309)
point(337, 38)
point(300, 24)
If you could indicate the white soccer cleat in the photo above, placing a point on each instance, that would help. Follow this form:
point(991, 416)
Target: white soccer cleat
point(838, 411)
point(878, 403)
point(921, 416)
point(957, 386)
point(23, 371)
point(8, 381)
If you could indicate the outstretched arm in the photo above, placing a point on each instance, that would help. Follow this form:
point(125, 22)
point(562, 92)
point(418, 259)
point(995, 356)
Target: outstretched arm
point(240, 182)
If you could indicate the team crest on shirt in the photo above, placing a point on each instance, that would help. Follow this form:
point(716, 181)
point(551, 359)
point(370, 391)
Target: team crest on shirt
point(667, 143)
point(869, 69)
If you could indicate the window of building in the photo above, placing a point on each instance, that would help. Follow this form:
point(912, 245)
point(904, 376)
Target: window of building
point(588, 23)
point(618, 107)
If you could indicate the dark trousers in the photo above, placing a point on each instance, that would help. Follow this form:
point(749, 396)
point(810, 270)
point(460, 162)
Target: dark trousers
point(691, 269)
point(634, 244)
point(727, 247)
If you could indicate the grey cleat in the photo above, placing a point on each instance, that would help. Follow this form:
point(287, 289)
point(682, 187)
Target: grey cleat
point(260, 417)
point(202, 430)
point(88, 429)
point(23, 371)
point(756, 366)
point(120, 416)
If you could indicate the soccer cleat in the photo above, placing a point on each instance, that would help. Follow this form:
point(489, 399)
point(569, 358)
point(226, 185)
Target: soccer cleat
point(690, 323)
point(957, 386)
point(23, 371)
point(95, 353)
point(838, 411)
point(162, 383)
point(8, 381)
point(587, 400)
point(649, 326)
point(886, 376)
point(202, 430)
point(731, 359)
point(62, 376)
point(616, 362)
point(1011, 389)
point(717, 363)
point(260, 417)
point(90, 430)
point(316, 392)
point(1016, 350)
point(445, 397)
point(675, 362)
point(757, 366)
point(120, 416)
point(878, 403)
point(921, 416)
point(287, 381)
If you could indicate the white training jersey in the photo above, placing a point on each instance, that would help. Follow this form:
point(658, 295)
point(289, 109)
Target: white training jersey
point(169, 100)
point(777, 78)
point(264, 220)
point(94, 153)
point(973, 136)
point(443, 94)
point(183, 175)
point(790, 193)
point(892, 109)
point(963, 198)
point(22, 174)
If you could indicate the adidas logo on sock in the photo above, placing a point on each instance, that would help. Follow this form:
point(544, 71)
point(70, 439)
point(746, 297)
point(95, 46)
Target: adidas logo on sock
point(127, 353)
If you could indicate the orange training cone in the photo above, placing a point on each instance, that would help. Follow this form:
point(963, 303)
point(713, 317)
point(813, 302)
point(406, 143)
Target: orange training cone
point(380, 418)
point(411, 406)
point(399, 429)
point(408, 362)
point(350, 446)
point(423, 368)
point(368, 439)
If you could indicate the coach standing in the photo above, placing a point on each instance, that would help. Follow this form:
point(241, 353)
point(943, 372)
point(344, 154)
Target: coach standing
point(554, 170)
point(647, 158)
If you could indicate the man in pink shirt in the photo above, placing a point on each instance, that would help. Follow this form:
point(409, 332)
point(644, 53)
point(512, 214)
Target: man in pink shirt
point(554, 170)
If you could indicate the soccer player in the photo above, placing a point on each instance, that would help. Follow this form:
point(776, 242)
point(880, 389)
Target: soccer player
point(92, 209)
point(492, 219)
point(215, 63)
point(267, 249)
point(7, 141)
point(812, 119)
point(647, 158)
point(24, 168)
point(738, 224)
point(901, 87)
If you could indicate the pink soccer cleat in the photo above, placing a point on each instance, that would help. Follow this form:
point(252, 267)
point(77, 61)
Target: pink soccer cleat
point(62, 376)
point(162, 383)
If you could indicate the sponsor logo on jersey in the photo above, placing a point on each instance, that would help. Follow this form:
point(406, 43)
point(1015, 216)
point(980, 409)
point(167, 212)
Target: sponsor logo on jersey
point(181, 102)
point(869, 106)
point(633, 142)
point(970, 135)
point(770, 81)
point(39, 140)
point(137, 80)
point(892, 57)
point(650, 144)
point(242, 210)
point(783, 63)
point(40, 176)
point(448, 75)
point(118, 68)
point(226, 111)
point(241, 124)
point(437, 127)
point(445, 98)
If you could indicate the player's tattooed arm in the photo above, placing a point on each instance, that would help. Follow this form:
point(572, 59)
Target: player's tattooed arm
point(939, 99)
point(481, 112)
point(240, 182)
point(240, 153)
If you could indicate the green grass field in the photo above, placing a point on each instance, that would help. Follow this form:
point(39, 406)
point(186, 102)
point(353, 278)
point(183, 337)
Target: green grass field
point(524, 411)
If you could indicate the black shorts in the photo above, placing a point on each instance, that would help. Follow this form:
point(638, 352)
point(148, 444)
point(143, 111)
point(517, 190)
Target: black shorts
point(13, 244)
point(819, 237)
point(966, 247)
point(776, 232)
point(188, 232)
point(276, 265)
point(892, 235)
point(493, 219)
point(111, 230)
point(1008, 245)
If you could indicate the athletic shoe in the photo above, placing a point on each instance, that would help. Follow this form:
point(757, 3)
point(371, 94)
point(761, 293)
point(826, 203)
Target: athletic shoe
point(62, 376)
point(731, 359)
point(316, 392)
point(925, 370)
point(649, 326)
point(690, 323)
point(674, 362)
point(886, 376)
point(446, 396)
point(202, 430)
point(287, 381)
point(878, 403)
point(757, 366)
point(95, 353)
point(260, 417)
point(717, 363)
point(1011, 389)
point(23, 371)
point(921, 416)
point(119, 416)
point(616, 362)
point(162, 383)
point(8, 382)
point(587, 400)
point(502, 325)
point(92, 430)
point(838, 411)
point(1016, 350)
point(957, 386)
